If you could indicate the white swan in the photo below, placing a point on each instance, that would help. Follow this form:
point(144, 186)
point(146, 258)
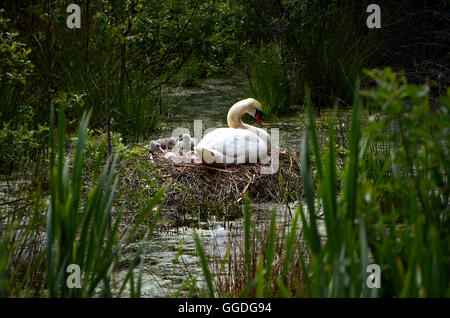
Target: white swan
point(241, 143)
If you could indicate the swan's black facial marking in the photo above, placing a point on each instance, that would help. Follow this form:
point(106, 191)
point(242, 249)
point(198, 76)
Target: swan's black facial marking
point(258, 116)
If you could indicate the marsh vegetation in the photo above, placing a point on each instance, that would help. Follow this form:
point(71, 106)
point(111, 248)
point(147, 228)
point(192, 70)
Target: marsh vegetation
point(363, 116)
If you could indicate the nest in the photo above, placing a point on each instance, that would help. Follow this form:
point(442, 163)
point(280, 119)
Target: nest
point(206, 189)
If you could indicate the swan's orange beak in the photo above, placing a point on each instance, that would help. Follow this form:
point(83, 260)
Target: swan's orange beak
point(258, 117)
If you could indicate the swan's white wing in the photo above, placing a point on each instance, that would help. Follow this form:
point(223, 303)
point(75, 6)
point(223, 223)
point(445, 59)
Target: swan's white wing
point(206, 148)
point(229, 145)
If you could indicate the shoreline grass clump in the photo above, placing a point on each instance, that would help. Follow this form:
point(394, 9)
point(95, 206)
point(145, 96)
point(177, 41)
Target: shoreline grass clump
point(264, 262)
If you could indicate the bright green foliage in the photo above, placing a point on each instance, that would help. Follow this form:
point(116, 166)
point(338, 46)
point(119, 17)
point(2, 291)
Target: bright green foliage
point(16, 140)
point(18, 144)
point(15, 65)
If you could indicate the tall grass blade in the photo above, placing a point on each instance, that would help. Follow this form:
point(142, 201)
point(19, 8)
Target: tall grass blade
point(247, 238)
point(204, 265)
point(270, 253)
point(306, 173)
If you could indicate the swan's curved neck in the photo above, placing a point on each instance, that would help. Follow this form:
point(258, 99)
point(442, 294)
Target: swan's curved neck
point(235, 114)
point(234, 119)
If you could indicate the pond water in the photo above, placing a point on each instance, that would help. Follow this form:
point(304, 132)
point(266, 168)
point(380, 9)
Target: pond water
point(170, 258)
point(164, 271)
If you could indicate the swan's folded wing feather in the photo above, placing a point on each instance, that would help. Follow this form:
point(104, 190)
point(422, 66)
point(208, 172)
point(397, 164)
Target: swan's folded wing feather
point(229, 145)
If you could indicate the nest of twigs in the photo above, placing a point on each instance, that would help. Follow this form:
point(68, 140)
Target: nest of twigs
point(206, 189)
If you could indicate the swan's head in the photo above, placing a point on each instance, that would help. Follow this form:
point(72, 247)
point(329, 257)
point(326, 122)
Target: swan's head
point(254, 109)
